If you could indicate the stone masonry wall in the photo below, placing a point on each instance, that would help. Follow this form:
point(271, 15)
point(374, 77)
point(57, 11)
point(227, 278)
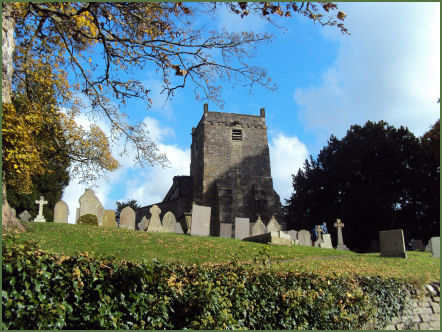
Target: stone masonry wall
point(424, 313)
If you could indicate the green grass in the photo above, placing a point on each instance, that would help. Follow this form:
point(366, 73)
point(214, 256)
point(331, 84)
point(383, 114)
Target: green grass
point(137, 246)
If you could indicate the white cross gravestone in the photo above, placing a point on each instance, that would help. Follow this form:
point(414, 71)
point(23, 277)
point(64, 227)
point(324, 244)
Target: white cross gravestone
point(61, 211)
point(40, 217)
point(127, 218)
point(155, 221)
point(339, 225)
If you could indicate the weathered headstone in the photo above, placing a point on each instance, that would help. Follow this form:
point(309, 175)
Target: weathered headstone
point(326, 241)
point(109, 219)
point(225, 230)
point(155, 225)
point(242, 228)
point(319, 241)
point(418, 245)
point(304, 238)
point(25, 215)
point(169, 222)
point(200, 220)
point(392, 243)
point(178, 228)
point(40, 217)
point(435, 246)
point(339, 225)
point(293, 234)
point(127, 218)
point(143, 224)
point(276, 238)
point(258, 227)
point(61, 212)
point(90, 204)
point(273, 225)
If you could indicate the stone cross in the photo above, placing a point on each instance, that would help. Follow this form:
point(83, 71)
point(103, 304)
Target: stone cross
point(339, 225)
point(319, 230)
point(40, 217)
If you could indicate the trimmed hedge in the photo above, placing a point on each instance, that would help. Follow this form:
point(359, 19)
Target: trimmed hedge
point(88, 219)
point(48, 291)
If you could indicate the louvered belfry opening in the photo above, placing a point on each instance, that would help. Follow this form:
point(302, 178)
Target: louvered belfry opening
point(236, 135)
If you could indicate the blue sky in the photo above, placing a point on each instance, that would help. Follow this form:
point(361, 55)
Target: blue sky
point(387, 69)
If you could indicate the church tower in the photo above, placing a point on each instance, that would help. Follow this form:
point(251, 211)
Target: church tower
point(230, 168)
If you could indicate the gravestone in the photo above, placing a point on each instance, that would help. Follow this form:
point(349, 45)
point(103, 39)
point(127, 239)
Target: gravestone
point(304, 238)
point(326, 241)
point(435, 246)
point(155, 225)
point(293, 234)
point(392, 243)
point(90, 204)
point(109, 219)
point(242, 228)
point(225, 230)
point(169, 223)
point(200, 220)
point(25, 215)
point(418, 245)
point(61, 212)
point(40, 217)
point(127, 218)
point(178, 228)
point(339, 225)
point(273, 225)
point(258, 227)
point(143, 224)
point(319, 241)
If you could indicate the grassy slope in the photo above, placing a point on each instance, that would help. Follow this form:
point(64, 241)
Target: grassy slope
point(137, 246)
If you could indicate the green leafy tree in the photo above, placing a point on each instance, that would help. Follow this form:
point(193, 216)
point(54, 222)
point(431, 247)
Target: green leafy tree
point(375, 178)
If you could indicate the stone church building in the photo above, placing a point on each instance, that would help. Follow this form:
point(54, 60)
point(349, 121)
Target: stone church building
point(229, 171)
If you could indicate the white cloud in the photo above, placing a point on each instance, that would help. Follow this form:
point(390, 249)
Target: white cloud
point(287, 155)
point(388, 69)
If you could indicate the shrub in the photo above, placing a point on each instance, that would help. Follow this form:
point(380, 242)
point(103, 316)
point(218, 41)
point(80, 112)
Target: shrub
point(47, 291)
point(88, 219)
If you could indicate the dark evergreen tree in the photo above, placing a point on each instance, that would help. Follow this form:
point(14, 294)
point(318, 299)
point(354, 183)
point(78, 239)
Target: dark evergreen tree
point(375, 178)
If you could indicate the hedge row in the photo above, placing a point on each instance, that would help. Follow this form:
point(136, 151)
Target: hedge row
point(48, 291)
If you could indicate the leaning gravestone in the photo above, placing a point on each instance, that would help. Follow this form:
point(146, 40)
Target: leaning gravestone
point(169, 223)
point(90, 204)
point(242, 228)
point(392, 243)
point(326, 241)
point(143, 224)
point(155, 221)
point(418, 245)
point(200, 220)
point(435, 246)
point(61, 212)
point(225, 230)
point(258, 227)
point(127, 218)
point(273, 225)
point(109, 219)
point(25, 215)
point(304, 238)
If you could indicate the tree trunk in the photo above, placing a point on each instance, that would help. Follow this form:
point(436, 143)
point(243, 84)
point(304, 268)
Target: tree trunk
point(9, 222)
